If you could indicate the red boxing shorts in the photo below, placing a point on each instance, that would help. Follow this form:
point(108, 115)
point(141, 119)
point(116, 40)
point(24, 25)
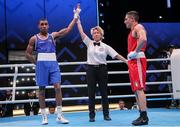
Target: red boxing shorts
point(137, 73)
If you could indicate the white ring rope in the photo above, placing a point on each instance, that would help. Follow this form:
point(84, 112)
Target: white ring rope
point(81, 85)
point(82, 98)
point(77, 63)
point(84, 73)
point(16, 74)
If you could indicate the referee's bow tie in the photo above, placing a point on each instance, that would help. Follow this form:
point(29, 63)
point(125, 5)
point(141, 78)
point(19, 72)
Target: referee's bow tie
point(95, 43)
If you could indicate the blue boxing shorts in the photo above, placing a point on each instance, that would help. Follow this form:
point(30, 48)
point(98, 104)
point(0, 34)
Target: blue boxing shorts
point(47, 73)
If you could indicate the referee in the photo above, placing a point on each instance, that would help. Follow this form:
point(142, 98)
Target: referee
point(97, 72)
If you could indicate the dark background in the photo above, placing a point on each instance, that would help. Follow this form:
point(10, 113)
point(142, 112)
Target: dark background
point(18, 22)
point(114, 12)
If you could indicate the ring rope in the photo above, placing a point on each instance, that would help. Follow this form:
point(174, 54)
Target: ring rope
point(16, 74)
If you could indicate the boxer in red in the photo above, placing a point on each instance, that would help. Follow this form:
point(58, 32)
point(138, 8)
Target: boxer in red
point(137, 63)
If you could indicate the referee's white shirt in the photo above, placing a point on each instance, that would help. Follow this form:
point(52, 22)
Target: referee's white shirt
point(97, 54)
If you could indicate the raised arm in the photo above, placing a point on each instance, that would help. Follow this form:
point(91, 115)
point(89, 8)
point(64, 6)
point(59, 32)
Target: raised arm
point(66, 30)
point(80, 29)
point(29, 50)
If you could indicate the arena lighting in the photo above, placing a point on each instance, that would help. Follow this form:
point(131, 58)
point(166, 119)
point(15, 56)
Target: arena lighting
point(101, 14)
point(101, 4)
point(160, 17)
point(168, 3)
point(22, 79)
point(27, 69)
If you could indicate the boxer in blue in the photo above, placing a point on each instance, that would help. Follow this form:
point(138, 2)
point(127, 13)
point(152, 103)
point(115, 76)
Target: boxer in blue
point(47, 68)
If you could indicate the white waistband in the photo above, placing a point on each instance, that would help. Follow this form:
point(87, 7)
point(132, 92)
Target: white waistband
point(46, 57)
point(140, 55)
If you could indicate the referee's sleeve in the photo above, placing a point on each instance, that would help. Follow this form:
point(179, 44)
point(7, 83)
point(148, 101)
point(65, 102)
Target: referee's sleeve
point(111, 52)
point(87, 40)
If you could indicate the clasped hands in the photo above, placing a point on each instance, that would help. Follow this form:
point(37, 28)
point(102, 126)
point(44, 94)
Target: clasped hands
point(77, 11)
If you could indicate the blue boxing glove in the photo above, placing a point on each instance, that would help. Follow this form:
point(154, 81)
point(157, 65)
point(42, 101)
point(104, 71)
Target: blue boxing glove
point(132, 55)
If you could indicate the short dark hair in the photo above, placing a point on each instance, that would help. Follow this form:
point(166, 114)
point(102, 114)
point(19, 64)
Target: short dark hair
point(172, 46)
point(121, 101)
point(42, 19)
point(135, 14)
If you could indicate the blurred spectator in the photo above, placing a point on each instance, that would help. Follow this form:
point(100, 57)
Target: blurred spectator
point(52, 107)
point(121, 105)
point(7, 109)
point(2, 95)
point(31, 108)
point(1, 111)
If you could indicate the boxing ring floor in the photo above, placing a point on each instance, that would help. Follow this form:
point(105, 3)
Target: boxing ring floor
point(157, 116)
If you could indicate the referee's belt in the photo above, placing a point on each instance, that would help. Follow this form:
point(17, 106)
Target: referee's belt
point(97, 66)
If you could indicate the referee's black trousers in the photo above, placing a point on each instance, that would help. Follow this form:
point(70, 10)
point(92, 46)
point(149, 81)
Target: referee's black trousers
point(97, 74)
